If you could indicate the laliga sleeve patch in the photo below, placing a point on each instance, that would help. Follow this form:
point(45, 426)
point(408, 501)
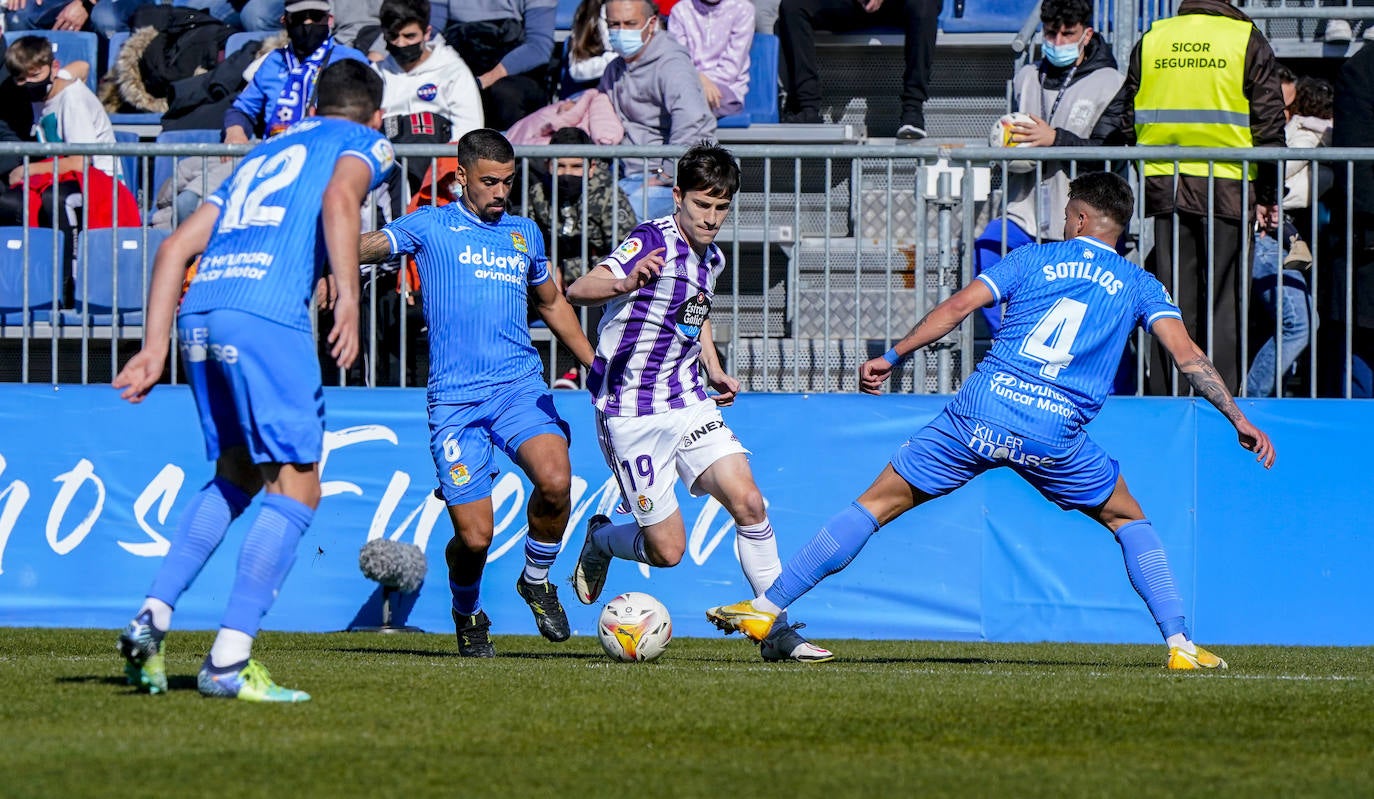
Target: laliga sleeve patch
point(627, 250)
point(693, 313)
point(382, 152)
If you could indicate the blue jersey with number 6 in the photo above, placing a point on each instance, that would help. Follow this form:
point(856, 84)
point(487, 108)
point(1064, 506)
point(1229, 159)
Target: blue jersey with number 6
point(1070, 308)
point(267, 249)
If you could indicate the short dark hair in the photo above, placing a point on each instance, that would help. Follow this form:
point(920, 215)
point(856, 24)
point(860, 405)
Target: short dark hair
point(1108, 192)
point(27, 53)
point(1286, 75)
point(348, 89)
point(1313, 97)
point(396, 14)
point(484, 143)
point(570, 135)
point(1066, 13)
point(710, 168)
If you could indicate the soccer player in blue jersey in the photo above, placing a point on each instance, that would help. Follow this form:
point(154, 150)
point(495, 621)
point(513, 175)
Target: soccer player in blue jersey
point(1069, 307)
point(249, 355)
point(479, 265)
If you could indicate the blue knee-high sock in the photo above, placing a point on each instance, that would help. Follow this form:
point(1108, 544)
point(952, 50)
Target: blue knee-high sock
point(201, 529)
point(539, 556)
point(268, 552)
point(1148, 568)
point(829, 551)
point(466, 598)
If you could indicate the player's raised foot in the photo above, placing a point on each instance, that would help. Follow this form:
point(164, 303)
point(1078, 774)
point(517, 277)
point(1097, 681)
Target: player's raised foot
point(1180, 659)
point(548, 611)
point(474, 640)
point(785, 643)
point(742, 617)
point(141, 646)
point(248, 681)
point(589, 575)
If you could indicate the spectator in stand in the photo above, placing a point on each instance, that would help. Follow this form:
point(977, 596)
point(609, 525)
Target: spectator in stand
point(1065, 95)
point(250, 15)
point(431, 95)
point(1353, 118)
point(797, 22)
point(65, 110)
point(657, 106)
point(508, 45)
point(358, 24)
point(282, 90)
point(1207, 62)
point(589, 50)
point(718, 35)
point(1342, 31)
point(608, 216)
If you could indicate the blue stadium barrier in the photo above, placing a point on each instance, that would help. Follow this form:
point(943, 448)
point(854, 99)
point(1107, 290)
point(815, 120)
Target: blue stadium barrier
point(69, 46)
point(761, 103)
point(16, 255)
point(1260, 557)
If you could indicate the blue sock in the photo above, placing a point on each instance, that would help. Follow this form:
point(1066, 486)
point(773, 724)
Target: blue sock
point(268, 552)
point(539, 556)
point(466, 598)
point(1148, 568)
point(199, 532)
point(829, 551)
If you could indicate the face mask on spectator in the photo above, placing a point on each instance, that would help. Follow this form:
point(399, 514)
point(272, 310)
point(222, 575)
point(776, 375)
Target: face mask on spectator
point(628, 42)
point(1062, 55)
point(569, 189)
point(406, 54)
point(38, 90)
point(306, 39)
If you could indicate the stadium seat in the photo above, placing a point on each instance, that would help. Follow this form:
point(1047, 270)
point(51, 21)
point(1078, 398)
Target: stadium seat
point(137, 118)
point(113, 266)
point(563, 17)
point(69, 46)
point(761, 103)
point(987, 16)
point(130, 174)
point(237, 40)
point(163, 164)
point(15, 258)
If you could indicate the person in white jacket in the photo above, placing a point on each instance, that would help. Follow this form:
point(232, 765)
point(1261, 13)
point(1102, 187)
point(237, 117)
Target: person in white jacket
point(430, 94)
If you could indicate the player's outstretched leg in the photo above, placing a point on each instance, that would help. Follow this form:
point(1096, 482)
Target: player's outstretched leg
point(544, 459)
point(589, 575)
point(758, 557)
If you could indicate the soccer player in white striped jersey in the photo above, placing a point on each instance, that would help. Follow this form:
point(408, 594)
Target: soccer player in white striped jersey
point(655, 421)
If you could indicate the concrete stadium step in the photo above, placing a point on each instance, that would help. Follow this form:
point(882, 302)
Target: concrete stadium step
point(828, 365)
point(862, 289)
point(749, 315)
point(790, 216)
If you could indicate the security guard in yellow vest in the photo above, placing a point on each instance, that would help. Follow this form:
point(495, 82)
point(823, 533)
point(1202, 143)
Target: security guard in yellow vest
point(1203, 78)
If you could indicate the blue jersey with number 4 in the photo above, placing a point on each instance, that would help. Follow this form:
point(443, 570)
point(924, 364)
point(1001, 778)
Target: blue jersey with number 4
point(1070, 308)
point(267, 249)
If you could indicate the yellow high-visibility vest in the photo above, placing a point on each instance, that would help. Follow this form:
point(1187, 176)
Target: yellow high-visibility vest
point(1192, 91)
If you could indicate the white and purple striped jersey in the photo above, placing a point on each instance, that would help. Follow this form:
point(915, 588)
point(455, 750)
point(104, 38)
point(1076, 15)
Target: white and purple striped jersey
point(648, 340)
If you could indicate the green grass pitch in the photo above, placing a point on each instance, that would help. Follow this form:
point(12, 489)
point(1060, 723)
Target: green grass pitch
point(403, 716)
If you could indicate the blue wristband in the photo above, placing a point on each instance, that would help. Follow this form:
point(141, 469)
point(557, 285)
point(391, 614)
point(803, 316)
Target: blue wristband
point(892, 357)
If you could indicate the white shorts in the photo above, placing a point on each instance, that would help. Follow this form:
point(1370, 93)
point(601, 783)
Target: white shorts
point(648, 454)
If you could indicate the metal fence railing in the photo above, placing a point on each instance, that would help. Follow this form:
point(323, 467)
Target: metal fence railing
point(834, 252)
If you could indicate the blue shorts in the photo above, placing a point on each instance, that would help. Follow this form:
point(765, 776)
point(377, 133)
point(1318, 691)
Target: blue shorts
point(462, 436)
point(256, 384)
point(953, 449)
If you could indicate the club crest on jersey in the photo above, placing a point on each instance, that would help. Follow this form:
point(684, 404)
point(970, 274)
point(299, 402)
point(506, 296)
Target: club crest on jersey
point(693, 313)
point(645, 504)
point(517, 240)
point(427, 92)
point(628, 249)
point(458, 473)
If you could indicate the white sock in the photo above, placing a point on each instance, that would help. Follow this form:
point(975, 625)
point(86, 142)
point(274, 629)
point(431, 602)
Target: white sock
point(161, 611)
point(758, 557)
point(624, 541)
point(231, 648)
point(761, 603)
point(1180, 641)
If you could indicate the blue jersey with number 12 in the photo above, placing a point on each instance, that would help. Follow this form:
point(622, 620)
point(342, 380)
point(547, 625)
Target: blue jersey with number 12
point(267, 249)
point(1070, 308)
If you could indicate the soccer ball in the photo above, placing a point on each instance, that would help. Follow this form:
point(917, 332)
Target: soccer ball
point(1000, 136)
point(634, 627)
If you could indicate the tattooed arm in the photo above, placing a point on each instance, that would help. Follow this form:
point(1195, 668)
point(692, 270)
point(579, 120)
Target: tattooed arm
point(934, 326)
point(1205, 380)
point(374, 248)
